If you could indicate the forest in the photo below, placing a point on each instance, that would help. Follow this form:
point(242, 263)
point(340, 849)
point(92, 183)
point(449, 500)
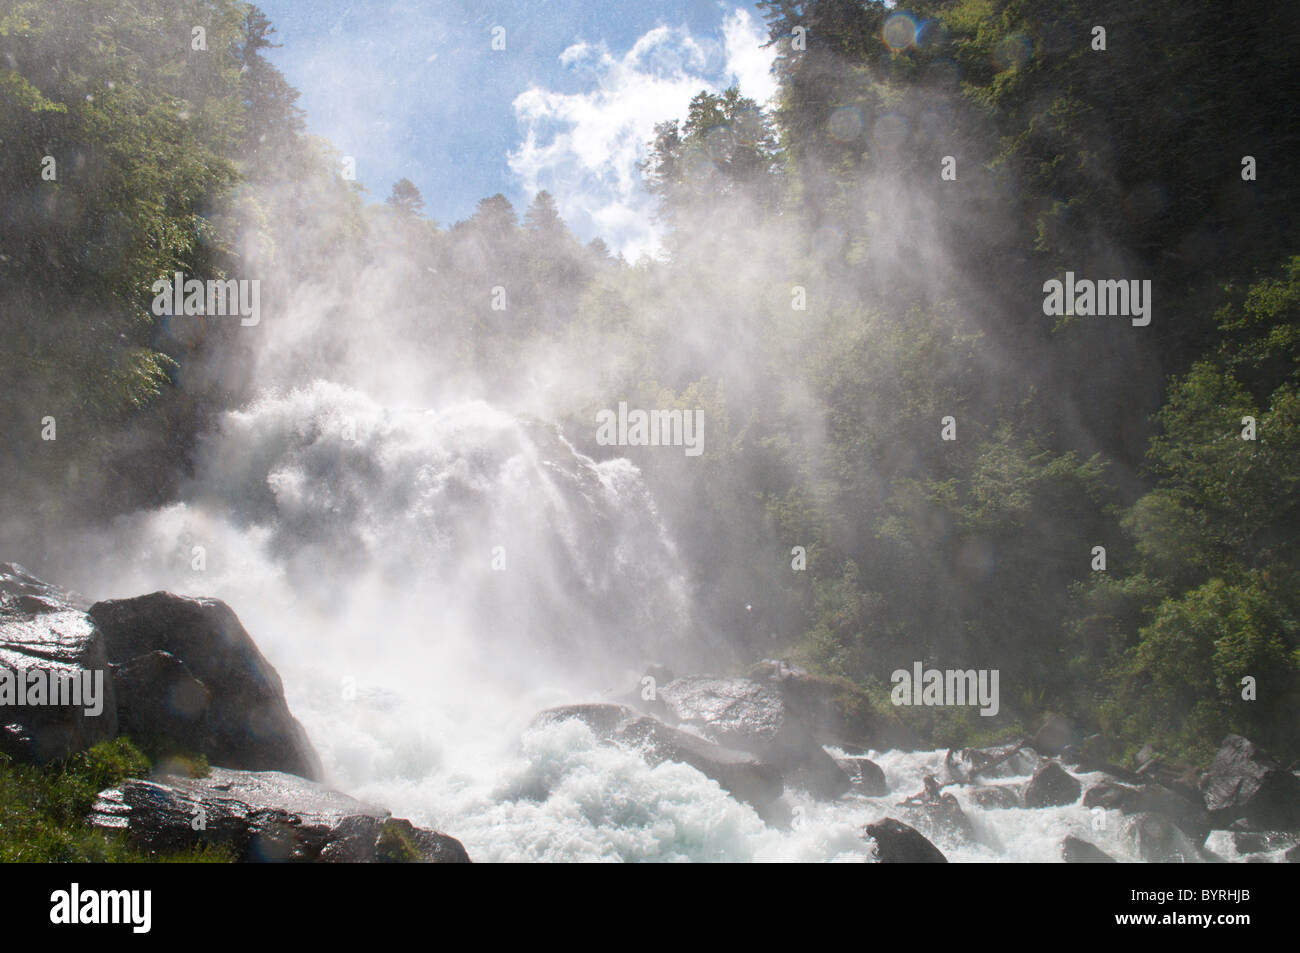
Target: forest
point(908, 455)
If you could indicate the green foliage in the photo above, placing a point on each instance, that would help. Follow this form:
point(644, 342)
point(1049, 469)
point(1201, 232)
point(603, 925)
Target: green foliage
point(822, 426)
point(1183, 681)
point(394, 847)
point(727, 146)
point(43, 810)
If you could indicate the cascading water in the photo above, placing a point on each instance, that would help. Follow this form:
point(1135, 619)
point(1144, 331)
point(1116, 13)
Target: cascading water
point(425, 581)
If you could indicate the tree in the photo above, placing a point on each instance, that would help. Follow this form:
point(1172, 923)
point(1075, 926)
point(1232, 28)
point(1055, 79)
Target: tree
point(495, 216)
point(406, 198)
point(726, 148)
point(543, 217)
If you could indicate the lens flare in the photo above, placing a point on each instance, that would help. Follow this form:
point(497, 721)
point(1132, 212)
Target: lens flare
point(899, 32)
point(845, 124)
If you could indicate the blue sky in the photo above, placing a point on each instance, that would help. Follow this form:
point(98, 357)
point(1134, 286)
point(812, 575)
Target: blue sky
point(414, 89)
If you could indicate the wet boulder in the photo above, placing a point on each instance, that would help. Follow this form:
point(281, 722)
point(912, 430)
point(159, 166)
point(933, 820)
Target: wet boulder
point(997, 796)
point(1000, 761)
point(1052, 786)
point(758, 717)
point(1158, 840)
point(56, 687)
point(898, 843)
point(1077, 851)
point(1244, 784)
point(189, 677)
point(865, 775)
point(1190, 815)
point(744, 776)
point(265, 816)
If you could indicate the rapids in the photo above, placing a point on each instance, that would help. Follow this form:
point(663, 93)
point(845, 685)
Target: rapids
point(425, 581)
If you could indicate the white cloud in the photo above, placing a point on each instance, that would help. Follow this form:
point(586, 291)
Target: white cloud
point(747, 59)
point(585, 148)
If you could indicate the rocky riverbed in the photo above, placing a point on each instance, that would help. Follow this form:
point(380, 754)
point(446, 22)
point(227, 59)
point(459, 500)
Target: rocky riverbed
point(701, 767)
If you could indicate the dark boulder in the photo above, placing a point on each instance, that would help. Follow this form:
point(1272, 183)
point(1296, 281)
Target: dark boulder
point(1076, 851)
point(865, 775)
point(46, 639)
point(191, 678)
point(1190, 815)
point(1052, 786)
point(265, 816)
point(746, 777)
point(897, 843)
point(1112, 796)
point(1158, 840)
point(1243, 783)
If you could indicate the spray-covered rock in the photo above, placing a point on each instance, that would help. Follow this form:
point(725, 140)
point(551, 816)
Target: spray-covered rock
point(266, 816)
point(897, 843)
point(193, 679)
point(56, 686)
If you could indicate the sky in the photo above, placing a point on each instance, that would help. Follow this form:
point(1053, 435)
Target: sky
point(414, 89)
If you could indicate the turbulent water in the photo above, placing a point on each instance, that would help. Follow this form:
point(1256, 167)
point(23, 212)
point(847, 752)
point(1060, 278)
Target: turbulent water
point(427, 581)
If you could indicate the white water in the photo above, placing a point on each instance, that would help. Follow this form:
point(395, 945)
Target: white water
point(355, 541)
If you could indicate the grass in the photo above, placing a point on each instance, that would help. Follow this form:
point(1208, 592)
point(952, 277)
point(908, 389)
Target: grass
point(43, 809)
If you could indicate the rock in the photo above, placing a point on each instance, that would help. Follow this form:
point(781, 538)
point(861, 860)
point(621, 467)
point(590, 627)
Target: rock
point(1259, 842)
point(1176, 777)
point(1292, 856)
point(1243, 783)
point(736, 712)
point(996, 796)
point(157, 688)
point(865, 775)
point(1051, 786)
point(746, 777)
point(1112, 796)
point(1001, 761)
point(760, 718)
point(897, 843)
point(192, 678)
point(1158, 840)
point(941, 816)
point(1089, 764)
point(45, 637)
point(1076, 851)
point(817, 772)
point(1056, 734)
point(265, 816)
point(1190, 815)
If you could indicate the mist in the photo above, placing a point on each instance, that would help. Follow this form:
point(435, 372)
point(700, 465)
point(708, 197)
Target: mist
point(397, 475)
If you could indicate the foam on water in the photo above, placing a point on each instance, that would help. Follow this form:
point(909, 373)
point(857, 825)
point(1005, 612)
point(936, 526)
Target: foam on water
point(356, 542)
